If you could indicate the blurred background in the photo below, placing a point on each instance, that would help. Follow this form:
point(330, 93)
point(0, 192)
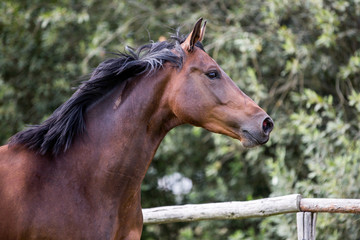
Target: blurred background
point(299, 60)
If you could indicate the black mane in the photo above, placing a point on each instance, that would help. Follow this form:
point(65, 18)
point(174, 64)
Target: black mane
point(56, 134)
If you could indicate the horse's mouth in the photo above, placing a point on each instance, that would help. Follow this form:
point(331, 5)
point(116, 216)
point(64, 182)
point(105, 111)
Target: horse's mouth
point(248, 140)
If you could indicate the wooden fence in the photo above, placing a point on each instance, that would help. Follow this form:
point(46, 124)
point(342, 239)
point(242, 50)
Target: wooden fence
point(306, 209)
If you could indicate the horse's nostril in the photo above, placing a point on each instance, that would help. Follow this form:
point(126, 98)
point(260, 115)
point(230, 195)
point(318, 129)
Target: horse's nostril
point(267, 125)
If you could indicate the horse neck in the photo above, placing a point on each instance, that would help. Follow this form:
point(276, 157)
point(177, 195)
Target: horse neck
point(122, 140)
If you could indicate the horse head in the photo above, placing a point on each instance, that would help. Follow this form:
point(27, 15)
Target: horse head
point(205, 96)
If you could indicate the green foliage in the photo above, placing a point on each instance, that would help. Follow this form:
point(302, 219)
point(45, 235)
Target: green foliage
point(300, 60)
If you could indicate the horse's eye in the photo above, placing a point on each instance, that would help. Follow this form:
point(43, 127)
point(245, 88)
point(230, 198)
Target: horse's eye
point(213, 75)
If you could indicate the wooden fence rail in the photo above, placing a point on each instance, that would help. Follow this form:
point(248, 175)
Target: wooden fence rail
point(306, 209)
point(221, 211)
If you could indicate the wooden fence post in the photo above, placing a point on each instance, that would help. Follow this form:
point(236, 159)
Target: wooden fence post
point(306, 224)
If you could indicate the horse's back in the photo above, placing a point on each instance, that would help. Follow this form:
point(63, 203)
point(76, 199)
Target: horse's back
point(12, 185)
point(18, 191)
point(12, 176)
point(38, 201)
point(15, 169)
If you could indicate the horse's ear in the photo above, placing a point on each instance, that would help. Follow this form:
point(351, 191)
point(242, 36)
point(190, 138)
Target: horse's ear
point(197, 34)
point(202, 32)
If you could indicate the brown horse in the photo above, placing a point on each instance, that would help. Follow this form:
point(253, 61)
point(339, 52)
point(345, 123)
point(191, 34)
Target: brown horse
point(78, 174)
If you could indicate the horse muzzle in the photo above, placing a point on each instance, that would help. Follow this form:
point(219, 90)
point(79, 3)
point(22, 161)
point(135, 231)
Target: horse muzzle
point(259, 134)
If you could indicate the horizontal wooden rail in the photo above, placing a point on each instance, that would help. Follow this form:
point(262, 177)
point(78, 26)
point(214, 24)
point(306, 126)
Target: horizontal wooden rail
point(330, 205)
point(246, 209)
